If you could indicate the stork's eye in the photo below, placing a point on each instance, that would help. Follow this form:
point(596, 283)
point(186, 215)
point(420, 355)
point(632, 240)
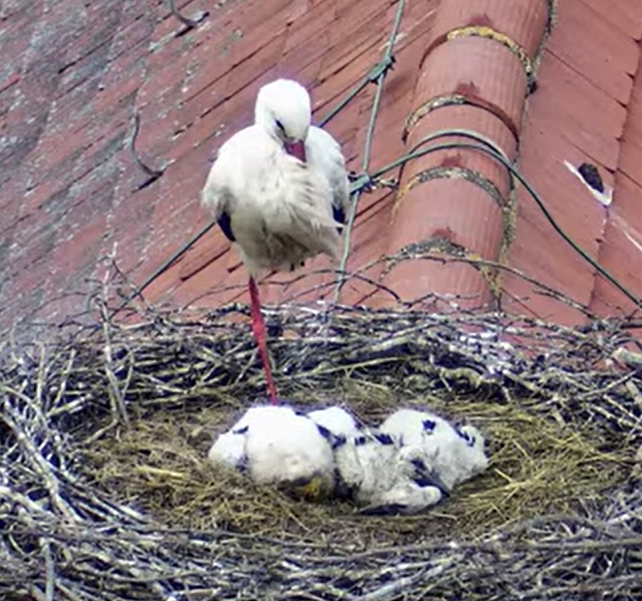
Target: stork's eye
point(280, 125)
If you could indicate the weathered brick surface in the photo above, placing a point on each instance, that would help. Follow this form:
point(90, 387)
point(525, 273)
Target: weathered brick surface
point(70, 189)
point(61, 143)
point(73, 76)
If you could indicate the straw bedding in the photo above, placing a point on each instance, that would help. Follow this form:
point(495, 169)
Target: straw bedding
point(105, 492)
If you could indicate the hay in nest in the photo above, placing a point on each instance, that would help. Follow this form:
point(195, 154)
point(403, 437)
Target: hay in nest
point(105, 492)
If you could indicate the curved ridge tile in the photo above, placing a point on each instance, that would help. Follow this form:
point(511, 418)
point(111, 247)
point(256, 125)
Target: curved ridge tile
point(456, 203)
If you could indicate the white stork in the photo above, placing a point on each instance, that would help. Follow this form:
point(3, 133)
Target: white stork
point(277, 445)
point(279, 190)
point(337, 422)
point(456, 454)
point(408, 464)
point(385, 476)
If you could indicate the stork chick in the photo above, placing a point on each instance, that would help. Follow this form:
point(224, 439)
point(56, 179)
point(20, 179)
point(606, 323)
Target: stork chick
point(336, 424)
point(385, 476)
point(276, 445)
point(455, 453)
point(279, 190)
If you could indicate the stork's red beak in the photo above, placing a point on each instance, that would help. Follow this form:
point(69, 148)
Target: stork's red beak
point(296, 149)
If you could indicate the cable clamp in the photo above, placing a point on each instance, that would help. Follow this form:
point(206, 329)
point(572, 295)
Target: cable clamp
point(380, 70)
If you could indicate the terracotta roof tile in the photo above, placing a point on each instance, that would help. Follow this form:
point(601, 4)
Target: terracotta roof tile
point(626, 15)
point(631, 142)
point(311, 27)
point(70, 190)
point(626, 208)
point(456, 201)
point(621, 254)
point(596, 49)
point(594, 121)
point(537, 249)
point(577, 115)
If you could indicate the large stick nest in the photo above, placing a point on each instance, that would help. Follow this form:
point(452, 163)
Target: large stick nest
point(105, 492)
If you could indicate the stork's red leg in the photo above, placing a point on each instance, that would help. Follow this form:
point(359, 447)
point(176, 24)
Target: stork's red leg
point(260, 333)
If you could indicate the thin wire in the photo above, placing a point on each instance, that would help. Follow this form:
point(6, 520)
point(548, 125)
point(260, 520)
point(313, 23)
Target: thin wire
point(163, 268)
point(377, 75)
point(377, 71)
point(501, 158)
point(347, 100)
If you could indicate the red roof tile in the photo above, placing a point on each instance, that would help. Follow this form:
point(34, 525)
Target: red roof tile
point(70, 192)
point(576, 116)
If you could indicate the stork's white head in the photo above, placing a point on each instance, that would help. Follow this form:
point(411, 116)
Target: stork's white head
point(283, 110)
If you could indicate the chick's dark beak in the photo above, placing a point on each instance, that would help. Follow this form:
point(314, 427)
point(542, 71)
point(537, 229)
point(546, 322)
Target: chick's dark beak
point(296, 148)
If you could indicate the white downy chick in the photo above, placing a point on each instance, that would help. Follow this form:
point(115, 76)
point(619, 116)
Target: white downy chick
point(380, 473)
point(455, 454)
point(229, 449)
point(335, 423)
point(275, 445)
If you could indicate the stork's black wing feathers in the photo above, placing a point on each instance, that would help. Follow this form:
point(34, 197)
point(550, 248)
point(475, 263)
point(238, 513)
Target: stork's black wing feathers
point(338, 214)
point(226, 226)
point(385, 509)
point(425, 477)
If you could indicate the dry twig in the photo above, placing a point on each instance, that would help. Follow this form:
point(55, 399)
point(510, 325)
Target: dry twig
point(92, 514)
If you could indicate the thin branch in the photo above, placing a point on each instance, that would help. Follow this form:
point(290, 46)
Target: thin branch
point(50, 585)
